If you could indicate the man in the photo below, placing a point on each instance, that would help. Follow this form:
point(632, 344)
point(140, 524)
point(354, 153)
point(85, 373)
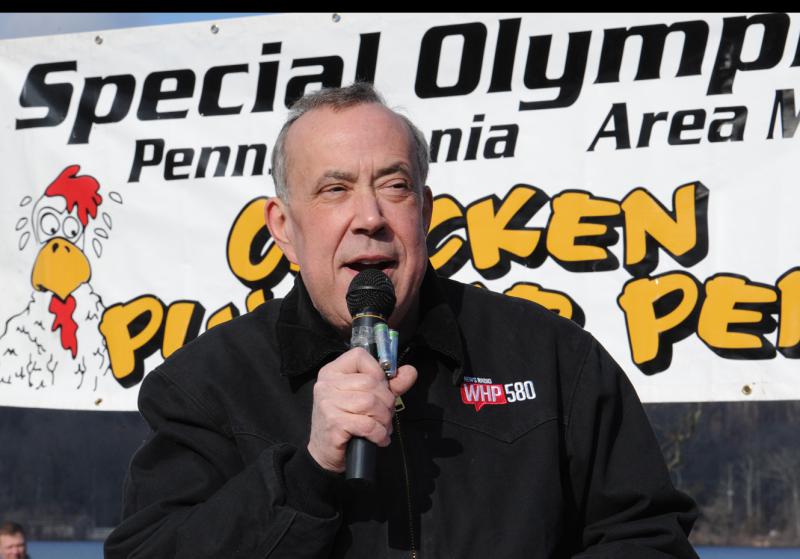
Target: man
point(251, 420)
point(12, 541)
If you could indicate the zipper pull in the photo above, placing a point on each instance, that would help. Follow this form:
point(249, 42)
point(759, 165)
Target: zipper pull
point(398, 404)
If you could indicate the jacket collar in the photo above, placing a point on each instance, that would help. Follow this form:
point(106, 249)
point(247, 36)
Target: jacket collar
point(307, 341)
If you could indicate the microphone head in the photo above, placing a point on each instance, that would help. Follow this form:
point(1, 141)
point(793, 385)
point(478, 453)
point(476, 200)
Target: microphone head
point(371, 291)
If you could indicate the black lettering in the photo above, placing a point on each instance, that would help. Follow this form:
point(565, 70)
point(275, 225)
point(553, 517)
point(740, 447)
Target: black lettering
point(509, 140)
point(454, 142)
point(469, 71)
point(570, 82)
point(330, 76)
point(152, 93)
point(223, 153)
point(258, 162)
point(177, 158)
point(504, 55)
point(267, 79)
point(474, 139)
point(784, 101)
point(685, 121)
point(729, 61)
point(124, 85)
point(55, 96)
point(736, 123)
point(212, 84)
point(653, 39)
point(140, 158)
point(618, 115)
point(367, 57)
point(648, 121)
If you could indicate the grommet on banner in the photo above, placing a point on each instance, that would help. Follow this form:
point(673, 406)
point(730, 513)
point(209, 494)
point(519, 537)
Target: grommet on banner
point(214, 28)
point(747, 390)
point(98, 39)
point(336, 18)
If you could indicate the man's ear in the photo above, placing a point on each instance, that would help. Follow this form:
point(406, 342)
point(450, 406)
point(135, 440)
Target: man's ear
point(427, 207)
point(279, 223)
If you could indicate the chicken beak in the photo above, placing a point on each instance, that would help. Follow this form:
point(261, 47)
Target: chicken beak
point(60, 268)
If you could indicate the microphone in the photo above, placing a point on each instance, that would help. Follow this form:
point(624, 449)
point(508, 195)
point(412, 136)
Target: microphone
point(370, 300)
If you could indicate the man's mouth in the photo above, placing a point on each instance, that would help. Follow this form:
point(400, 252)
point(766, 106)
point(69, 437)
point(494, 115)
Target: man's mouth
point(361, 265)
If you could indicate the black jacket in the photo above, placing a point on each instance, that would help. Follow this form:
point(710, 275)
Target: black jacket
point(567, 466)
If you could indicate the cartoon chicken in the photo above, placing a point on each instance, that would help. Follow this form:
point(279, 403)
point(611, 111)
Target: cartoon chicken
point(55, 341)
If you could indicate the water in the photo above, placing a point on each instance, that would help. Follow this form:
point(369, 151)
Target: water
point(65, 550)
point(745, 553)
point(94, 550)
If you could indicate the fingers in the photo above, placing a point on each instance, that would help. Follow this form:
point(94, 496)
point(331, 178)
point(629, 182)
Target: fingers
point(356, 361)
point(404, 380)
point(352, 398)
point(368, 428)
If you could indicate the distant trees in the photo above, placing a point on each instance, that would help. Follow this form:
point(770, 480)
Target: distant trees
point(741, 463)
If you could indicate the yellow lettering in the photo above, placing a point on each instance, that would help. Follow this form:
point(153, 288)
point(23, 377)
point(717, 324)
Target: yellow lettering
point(789, 329)
point(252, 255)
point(255, 299)
point(649, 323)
point(224, 314)
point(492, 230)
point(646, 220)
point(723, 294)
point(131, 331)
point(446, 213)
point(567, 226)
point(182, 322)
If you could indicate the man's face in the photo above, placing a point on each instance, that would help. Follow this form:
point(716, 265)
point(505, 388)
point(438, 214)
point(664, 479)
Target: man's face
point(12, 546)
point(355, 202)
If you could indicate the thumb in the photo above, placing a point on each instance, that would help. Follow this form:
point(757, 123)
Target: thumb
point(405, 379)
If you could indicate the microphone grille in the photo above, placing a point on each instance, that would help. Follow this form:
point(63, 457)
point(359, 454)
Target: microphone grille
point(371, 290)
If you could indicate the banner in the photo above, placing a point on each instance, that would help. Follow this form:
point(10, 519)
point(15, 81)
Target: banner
point(633, 172)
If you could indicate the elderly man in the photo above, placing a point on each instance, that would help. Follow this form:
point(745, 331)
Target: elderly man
point(12, 541)
point(251, 421)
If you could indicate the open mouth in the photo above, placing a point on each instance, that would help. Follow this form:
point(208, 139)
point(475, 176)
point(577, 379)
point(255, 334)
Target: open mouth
point(361, 265)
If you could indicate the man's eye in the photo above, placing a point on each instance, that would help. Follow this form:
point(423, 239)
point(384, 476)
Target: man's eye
point(334, 188)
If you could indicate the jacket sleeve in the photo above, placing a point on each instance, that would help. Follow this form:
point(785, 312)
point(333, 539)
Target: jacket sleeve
point(189, 495)
point(629, 507)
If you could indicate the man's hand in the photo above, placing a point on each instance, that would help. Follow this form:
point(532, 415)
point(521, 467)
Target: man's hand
point(353, 398)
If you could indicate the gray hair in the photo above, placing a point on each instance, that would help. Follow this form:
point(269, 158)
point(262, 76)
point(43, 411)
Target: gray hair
point(337, 98)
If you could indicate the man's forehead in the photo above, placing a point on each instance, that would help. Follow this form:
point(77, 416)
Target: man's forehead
point(326, 124)
point(11, 538)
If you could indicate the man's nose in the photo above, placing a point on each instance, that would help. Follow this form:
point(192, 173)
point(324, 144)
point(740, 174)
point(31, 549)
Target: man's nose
point(367, 213)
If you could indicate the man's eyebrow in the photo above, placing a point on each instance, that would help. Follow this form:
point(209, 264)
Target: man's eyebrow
point(337, 174)
point(398, 167)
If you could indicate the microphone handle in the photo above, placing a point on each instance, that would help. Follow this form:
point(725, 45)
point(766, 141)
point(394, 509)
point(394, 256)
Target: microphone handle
point(361, 453)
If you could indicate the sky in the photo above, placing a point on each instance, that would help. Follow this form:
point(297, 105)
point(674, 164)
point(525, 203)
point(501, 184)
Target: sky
point(15, 25)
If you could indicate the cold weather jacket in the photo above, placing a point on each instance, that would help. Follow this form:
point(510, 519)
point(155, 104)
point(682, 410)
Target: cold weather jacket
point(521, 438)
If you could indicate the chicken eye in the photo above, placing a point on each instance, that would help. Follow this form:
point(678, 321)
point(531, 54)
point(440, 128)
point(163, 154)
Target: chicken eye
point(49, 224)
point(71, 228)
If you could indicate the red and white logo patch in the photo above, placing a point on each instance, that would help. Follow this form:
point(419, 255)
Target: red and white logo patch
point(481, 392)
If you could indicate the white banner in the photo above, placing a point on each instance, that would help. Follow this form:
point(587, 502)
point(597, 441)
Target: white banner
point(634, 172)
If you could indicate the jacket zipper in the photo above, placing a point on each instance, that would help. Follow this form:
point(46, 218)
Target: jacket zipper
point(400, 406)
point(408, 487)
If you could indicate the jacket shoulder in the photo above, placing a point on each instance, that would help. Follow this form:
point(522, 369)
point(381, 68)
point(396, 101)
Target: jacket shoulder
point(479, 309)
point(240, 335)
point(224, 355)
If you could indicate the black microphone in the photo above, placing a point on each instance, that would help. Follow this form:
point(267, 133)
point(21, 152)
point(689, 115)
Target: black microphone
point(370, 300)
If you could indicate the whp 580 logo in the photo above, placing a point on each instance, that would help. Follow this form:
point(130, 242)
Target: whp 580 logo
point(480, 392)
